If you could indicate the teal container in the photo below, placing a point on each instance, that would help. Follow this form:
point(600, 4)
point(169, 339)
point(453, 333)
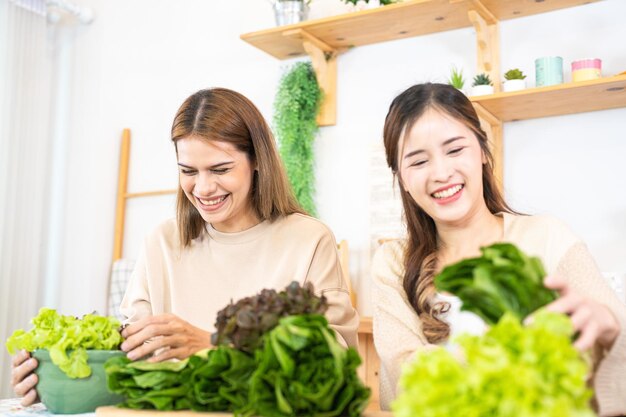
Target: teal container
point(63, 395)
point(548, 71)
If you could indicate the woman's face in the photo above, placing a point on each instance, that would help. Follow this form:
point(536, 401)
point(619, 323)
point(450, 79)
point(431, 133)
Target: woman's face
point(441, 167)
point(217, 178)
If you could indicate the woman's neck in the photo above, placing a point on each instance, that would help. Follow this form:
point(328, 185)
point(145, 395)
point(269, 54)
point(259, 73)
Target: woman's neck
point(464, 240)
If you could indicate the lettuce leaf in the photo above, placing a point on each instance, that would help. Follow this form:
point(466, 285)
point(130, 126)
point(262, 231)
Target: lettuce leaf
point(213, 380)
point(502, 280)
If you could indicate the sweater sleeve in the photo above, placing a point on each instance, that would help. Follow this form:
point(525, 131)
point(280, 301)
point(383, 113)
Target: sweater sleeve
point(136, 302)
point(397, 328)
point(581, 271)
point(325, 274)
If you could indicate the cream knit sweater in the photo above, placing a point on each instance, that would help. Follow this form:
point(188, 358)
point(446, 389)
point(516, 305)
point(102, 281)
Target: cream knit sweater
point(397, 329)
point(194, 283)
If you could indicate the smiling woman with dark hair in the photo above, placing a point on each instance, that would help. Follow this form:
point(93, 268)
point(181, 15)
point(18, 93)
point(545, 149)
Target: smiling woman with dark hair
point(452, 206)
point(238, 230)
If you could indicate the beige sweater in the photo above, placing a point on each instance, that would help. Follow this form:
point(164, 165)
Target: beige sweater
point(397, 329)
point(196, 282)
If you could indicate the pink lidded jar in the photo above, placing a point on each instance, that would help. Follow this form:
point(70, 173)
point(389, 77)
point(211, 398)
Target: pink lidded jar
point(586, 69)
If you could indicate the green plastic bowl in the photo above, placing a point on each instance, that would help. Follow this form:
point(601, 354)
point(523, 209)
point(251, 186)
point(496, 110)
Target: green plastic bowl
point(63, 395)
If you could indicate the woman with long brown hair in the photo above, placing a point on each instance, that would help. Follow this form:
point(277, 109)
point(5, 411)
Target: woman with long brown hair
point(452, 206)
point(238, 229)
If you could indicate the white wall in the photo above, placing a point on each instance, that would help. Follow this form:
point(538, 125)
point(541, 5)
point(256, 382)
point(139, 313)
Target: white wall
point(137, 62)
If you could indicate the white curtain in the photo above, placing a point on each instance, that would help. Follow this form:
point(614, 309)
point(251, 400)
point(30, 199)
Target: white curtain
point(25, 96)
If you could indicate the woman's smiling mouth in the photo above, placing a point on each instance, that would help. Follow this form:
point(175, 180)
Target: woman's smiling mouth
point(211, 204)
point(448, 192)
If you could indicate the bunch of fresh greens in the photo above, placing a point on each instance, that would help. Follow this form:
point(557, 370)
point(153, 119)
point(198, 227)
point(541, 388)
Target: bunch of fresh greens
point(212, 380)
point(67, 338)
point(303, 371)
point(511, 371)
point(502, 279)
point(277, 357)
point(243, 323)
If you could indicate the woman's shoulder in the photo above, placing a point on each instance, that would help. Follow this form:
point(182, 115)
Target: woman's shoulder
point(388, 261)
point(166, 228)
point(538, 225)
point(541, 235)
point(165, 232)
point(392, 249)
point(298, 223)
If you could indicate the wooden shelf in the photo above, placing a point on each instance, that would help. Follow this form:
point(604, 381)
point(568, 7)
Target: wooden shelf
point(570, 98)
point(396, 21)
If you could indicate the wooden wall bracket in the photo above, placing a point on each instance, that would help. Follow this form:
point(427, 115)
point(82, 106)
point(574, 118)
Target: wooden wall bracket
point(493, 127)
point(488, 41)
point(324, 61)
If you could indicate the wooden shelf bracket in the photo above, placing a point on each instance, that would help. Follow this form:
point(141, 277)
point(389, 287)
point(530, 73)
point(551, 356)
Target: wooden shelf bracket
point(324, 61)
point(488, 42)
point(493, 127)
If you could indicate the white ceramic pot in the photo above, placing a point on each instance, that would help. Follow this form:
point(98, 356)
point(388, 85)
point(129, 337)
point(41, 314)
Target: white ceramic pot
point(360, 5)
point(513, 85)
point(481, 90)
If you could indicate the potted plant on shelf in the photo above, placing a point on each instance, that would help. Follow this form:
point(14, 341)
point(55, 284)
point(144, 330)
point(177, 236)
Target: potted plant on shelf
point(515, 80)
point(288, 12)
point(456, 79)
point(358, 5)
point(482, 85)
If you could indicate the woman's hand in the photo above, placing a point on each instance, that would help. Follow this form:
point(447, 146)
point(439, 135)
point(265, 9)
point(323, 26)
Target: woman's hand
point(23, 378)
point(594, 321)
point(166, 336)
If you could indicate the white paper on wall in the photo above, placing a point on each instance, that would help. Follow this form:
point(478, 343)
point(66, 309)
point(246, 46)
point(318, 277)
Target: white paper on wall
point(385, 203)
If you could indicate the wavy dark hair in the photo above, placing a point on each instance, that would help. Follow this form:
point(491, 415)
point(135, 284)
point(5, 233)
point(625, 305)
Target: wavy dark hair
point(420, 257)
point(219, 114)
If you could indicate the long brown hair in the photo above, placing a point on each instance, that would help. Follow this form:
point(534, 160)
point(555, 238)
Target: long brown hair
point(227, 116)
point(420, 257)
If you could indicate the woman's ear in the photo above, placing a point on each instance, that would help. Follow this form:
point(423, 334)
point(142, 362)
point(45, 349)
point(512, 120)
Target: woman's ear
point(483, 157)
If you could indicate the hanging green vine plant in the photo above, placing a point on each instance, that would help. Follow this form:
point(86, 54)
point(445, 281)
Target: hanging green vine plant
point(295, 111)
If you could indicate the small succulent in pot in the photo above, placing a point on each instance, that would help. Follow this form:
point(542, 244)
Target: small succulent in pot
point(482, 79)
point(514, 74)
point(515, 80)
point(482, 85)
point(456, 79)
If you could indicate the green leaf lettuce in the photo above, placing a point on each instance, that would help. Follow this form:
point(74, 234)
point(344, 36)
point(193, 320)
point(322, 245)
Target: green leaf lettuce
point(67, 338)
